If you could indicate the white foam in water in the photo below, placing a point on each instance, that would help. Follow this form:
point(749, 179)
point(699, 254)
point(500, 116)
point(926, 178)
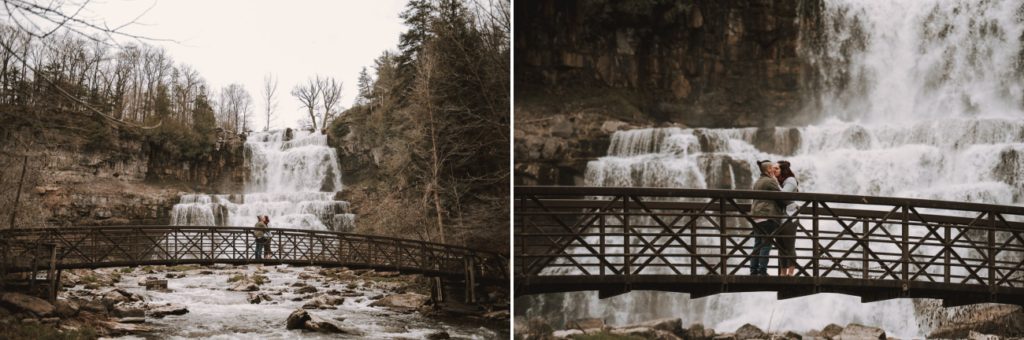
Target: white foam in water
point(931, 109)
point(293, 181)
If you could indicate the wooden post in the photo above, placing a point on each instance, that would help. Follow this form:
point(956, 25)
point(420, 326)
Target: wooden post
point(17, 197)
point(51, 274)
point(470, 279)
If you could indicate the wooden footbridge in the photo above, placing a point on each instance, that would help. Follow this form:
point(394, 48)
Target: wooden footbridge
point(117, 246)
point(614, 240)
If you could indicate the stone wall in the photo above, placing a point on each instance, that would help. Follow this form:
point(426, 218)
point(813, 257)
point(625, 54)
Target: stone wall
point(584, 68)
point(67, 183)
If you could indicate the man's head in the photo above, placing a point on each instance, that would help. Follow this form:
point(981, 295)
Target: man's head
point(766, 167)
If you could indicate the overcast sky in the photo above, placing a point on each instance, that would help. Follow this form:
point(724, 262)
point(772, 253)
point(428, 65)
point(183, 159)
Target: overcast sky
point(240, 41)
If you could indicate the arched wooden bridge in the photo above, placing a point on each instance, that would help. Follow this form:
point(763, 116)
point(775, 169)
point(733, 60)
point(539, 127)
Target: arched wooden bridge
point(614, 240)
point(116, 246)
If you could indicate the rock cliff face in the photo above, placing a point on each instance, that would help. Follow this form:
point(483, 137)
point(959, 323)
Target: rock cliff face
point(584, 68)
point(67, 183)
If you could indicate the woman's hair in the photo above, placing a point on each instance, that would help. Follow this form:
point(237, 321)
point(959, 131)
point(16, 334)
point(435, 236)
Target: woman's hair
point(266, 219)
point(784, 171)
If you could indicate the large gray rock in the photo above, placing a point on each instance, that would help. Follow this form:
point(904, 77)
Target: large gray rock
point(831, 331)
point(855, 331)
point(168, 309)
point(128, 311)
point(588, 323)
point(749, 331)
point(301, 319)
point(671, 325)
point(972, 335)
point(407, 300)
point(646, 333)
point(156, 284)
point(244, 286)
point(22, 302)
point(65, 308)
point(698, 332)
point(324, 302)
point(258, 297)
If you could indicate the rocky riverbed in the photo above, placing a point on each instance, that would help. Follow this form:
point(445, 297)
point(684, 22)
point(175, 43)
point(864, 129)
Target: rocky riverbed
point(253, 301)
point(673, 329)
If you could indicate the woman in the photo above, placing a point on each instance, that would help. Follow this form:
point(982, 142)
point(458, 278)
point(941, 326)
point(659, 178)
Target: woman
point(787, 243)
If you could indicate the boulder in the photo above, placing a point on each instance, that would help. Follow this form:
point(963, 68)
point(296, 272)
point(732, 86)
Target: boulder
point(257, 298)
point(645, 332)
point(749, 331)
point(128, 311)
point(305, 290)
point(830, 331)
point(324, 302)
point(588, 323)
point(168, 309)
point(117, 296)
point(671, 325)
point(297, 319)
point(301, 319)
point(438, 336)
point(65, 308)
point(94, 306)
point(244, 286)
point(497, 315)
point(117, 328)
point(697, 332)
point(791, 335)
point(860, 332)
point(156, 285)
point(407, 300)
point(22, 302)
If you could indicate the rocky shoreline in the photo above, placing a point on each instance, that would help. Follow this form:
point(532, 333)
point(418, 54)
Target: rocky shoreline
point(134, 301)
point(674, 329)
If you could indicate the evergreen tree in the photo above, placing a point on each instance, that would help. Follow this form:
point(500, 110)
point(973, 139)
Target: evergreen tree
point(365, 87)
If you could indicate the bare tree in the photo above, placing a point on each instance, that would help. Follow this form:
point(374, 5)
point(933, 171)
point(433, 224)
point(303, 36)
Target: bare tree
point(331, 93)
point(269, 104)
point(309, 95)
point(234, 106)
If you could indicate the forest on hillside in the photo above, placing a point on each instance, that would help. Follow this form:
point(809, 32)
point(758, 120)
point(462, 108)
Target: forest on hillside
point(429, 132)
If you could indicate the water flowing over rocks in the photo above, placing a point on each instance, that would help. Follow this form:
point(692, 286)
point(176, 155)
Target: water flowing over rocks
point(294, 178)
point(197, 305)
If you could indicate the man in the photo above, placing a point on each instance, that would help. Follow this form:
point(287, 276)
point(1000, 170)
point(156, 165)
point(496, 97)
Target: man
point(261, 239)
point(764, 225)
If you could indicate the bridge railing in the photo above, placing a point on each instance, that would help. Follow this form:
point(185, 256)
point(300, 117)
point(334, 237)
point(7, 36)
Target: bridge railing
point(91, 247)
point(582, 238)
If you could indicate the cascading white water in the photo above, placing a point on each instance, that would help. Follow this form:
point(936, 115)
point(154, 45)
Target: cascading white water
point(294, 179)
point(924, 99)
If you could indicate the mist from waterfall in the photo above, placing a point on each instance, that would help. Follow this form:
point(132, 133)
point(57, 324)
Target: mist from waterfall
point(923, 99)
point(294, 178)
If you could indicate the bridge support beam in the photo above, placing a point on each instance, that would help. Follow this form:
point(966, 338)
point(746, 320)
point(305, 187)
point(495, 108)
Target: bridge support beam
point(437, 292)
point(470, 263)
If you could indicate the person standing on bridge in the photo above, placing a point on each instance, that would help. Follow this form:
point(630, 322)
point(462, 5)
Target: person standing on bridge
point(261, 236)
point(765, 222)
point(787, 232)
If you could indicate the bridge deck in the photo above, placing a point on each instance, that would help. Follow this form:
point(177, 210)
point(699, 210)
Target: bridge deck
point(115, 246)
point(614, 240)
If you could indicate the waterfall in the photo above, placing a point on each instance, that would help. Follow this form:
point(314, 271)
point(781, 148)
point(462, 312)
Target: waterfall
point(294, 179)
point(922, 99)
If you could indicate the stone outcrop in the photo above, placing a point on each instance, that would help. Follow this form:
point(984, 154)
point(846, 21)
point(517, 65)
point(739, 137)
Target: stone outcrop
point(407, 300)
point(69, 182)
point(707, 63)
point(301, 319)
point(585, 69)
point(165, 310)
point(749, 331)
point(860, 332)
point(22, 302)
